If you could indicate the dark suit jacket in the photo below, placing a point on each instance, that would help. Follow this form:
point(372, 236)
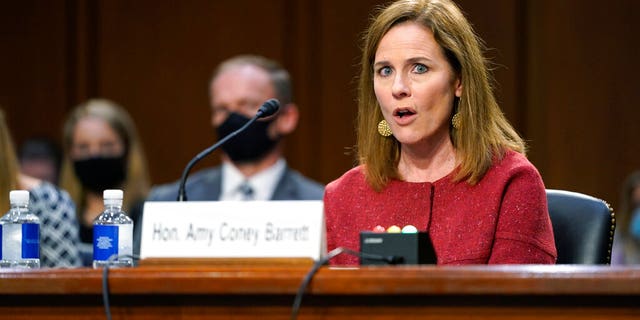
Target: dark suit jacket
point(206, 185)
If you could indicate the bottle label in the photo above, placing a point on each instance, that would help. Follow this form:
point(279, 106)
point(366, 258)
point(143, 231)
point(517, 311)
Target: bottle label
point(105, 242)
point(30, 241)
point(1, 239)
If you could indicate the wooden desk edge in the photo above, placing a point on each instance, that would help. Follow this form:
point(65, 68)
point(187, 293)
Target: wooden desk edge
point(279, 279)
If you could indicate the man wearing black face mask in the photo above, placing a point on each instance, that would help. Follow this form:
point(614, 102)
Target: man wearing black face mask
point(253, 164)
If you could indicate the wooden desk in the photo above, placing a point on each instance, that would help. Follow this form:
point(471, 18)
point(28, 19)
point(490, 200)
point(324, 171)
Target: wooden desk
point(266, 292)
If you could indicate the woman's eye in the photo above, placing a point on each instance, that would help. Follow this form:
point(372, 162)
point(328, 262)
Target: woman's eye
point(420, 68)
point(384, 71)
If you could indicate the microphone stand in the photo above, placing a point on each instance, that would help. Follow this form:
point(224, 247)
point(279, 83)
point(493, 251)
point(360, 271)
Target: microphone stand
point(182, 195)
point(268, 108)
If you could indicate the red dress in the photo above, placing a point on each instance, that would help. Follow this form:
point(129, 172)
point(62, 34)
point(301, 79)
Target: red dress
point(503, 219)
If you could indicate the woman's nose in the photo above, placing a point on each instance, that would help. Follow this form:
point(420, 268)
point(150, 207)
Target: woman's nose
point(400, 87)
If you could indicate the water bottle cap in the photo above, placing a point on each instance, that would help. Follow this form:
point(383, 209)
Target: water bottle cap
point(112, 194)
point(19, 197)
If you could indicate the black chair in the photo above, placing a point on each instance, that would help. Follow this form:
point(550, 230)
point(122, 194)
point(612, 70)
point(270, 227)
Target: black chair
point(583, 227)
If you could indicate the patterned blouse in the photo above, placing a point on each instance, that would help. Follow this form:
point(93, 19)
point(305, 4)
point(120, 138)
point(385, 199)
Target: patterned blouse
point(58, 226)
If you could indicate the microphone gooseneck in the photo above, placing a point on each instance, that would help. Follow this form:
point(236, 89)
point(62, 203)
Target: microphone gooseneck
point(268, 108)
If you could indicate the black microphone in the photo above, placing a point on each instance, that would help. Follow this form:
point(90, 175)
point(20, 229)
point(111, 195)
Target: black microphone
point(268, 108)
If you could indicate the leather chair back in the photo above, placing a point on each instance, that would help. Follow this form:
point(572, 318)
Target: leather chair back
point(583, 227)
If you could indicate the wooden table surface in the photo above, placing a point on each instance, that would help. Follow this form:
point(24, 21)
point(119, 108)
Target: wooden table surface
point(380, 292)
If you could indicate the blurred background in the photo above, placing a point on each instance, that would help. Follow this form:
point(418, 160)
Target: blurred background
point(566, 74)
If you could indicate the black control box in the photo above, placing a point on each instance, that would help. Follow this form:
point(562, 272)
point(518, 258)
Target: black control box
point(396, 248)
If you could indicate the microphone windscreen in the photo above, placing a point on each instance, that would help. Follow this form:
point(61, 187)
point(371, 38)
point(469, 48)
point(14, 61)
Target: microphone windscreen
point(268, 108)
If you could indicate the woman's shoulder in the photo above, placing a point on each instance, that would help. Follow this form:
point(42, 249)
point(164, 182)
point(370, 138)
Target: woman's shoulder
point(513, 166)
point(514, 161)
point(47, 193)
point(350, 179)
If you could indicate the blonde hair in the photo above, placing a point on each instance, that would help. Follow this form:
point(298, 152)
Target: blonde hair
point(484, 134)
point(136, 184)
point(8, 164)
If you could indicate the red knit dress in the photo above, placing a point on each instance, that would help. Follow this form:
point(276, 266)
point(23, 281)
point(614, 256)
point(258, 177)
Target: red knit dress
point(503, 219)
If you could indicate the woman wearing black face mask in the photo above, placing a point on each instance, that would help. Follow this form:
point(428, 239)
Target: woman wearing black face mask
point(102, 151)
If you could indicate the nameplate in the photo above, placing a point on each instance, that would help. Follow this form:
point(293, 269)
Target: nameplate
point(233, 229)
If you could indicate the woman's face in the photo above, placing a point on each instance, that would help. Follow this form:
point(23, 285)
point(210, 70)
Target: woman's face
point(414, 84)
point(94, 137)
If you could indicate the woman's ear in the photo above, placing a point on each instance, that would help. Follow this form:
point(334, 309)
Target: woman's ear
point(458, 84)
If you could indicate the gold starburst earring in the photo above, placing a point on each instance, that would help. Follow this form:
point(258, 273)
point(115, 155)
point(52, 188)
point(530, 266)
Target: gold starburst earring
point(455, 121)
point(384, 129)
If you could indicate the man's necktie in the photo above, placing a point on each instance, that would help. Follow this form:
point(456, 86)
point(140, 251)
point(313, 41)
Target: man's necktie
point(246, 191)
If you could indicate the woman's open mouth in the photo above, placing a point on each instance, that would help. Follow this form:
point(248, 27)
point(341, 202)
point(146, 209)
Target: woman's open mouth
point(403, 115)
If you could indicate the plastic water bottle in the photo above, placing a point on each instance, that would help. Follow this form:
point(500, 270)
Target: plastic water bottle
point(112, 234)
point(20, 232)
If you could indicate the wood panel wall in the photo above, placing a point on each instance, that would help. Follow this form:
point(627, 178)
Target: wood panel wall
point(582, 93)
point(565, 70)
